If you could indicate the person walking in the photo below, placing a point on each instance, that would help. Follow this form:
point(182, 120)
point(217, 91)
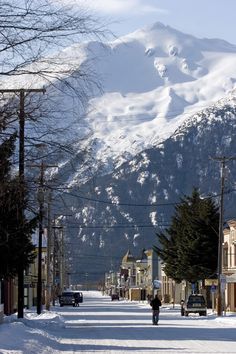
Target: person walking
point(155, 304)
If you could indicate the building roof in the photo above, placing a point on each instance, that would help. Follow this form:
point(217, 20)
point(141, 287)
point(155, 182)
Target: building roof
point(143, 258)
point(35, 238)
point(232, 223)
point(128, 258)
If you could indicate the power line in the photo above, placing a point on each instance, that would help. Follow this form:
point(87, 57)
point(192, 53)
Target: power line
point(110, 226)
point(133, 204)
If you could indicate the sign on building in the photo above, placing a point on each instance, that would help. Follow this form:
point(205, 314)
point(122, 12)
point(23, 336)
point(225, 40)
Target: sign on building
point(210, 282)
point(231, 278)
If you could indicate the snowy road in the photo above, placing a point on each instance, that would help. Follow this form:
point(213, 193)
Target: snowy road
point(119, 326)
point(105, 326)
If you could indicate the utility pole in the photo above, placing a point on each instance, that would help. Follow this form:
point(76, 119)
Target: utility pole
point(49, 241)
point(220, 239)
point(223, 161)
point(62, 260)
point(55, 257)
point(42, 167)
point(58, 255)
point(41, 204)
point(21, 182)
point(54, 263)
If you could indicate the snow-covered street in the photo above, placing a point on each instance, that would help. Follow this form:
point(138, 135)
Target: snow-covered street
point(102, 325)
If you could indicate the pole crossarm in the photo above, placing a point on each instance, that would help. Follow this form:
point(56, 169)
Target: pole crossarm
point(223, 158)
point(43, 90)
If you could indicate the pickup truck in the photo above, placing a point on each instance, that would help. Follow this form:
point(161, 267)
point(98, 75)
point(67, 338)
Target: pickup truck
point(195, 304)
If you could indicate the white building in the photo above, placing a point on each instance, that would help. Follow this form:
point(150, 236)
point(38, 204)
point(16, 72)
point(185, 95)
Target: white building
point(229, 264)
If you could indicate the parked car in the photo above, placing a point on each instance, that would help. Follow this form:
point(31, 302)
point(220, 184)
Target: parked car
point(114, 297)
point(78, 295)
point(67, 298)
point(196, 303)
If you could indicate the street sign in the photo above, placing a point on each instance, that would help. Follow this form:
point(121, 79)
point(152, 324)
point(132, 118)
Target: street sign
point(223, 278)
point(222, 282)
point(27, 279)
point(213, 288)
point(209, 282)
point(157, 284)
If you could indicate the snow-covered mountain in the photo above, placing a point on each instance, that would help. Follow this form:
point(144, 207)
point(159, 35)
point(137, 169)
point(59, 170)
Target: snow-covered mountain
point(152, 81)
point(124, 209)
point(166, 106)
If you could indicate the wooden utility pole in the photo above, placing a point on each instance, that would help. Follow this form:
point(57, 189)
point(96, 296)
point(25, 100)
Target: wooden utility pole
point(58, 254)
point(41, 210)
point(56, 249)
point(223, 161)
point(54, 264)
point(42, 167)
point(49, 244)
point(220, 240)
point(21, 182)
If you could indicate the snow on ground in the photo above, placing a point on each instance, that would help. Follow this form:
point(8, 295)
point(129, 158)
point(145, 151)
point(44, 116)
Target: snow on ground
point(100, 325)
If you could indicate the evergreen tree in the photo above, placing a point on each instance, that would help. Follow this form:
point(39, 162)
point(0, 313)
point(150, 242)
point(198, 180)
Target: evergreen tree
point(189, 247)
point(15, 238)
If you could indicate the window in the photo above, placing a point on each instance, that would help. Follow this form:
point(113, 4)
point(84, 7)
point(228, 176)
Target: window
point(225, 257)
point(234, 255)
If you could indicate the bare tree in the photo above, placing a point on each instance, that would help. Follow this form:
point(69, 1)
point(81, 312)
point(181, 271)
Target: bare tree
point(30, 30)
point(33, 34)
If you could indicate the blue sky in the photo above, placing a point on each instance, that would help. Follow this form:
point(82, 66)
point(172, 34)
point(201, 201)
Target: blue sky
point(201, 18)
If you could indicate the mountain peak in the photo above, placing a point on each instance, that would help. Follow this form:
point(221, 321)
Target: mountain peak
point(157, 25)
point(159, 33)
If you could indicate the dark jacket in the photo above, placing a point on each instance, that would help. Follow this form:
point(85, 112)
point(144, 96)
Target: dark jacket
point(155, 303)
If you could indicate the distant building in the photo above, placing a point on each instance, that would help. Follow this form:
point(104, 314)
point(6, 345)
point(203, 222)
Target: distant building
point(229, 264)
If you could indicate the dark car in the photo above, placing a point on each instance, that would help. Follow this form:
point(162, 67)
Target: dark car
point(67, 298)
point(196, 303)
point(114, 297)
point(78, 295)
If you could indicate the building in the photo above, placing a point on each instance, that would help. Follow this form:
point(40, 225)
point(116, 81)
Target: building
point(31, 275)
point(1, 303)
point(128, 272)
point(141, 278)
point(142, 275)
point(8, 296)
point(153, 281)
point(229, 265)
point(137, 278)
